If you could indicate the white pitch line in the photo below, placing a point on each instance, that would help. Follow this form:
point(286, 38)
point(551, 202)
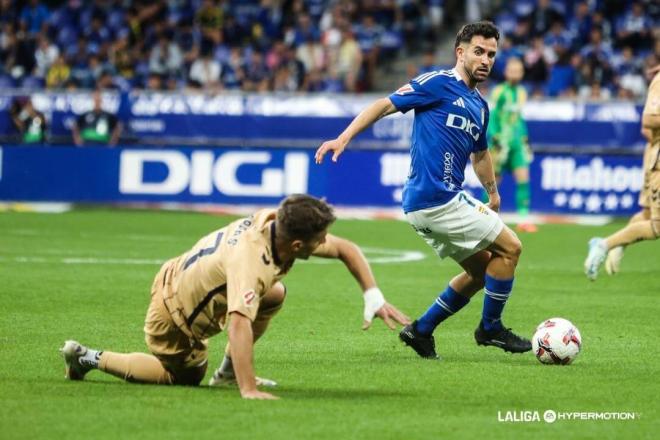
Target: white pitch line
point(389, 256)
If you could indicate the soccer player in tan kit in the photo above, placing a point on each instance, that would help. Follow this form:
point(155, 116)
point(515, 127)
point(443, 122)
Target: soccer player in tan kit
point(646, 224)
point(230, 280)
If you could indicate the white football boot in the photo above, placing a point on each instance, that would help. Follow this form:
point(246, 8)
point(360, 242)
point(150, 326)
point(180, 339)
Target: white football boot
point(596, 257)
point(613, 261)
point(72, 352)
point(220, 379)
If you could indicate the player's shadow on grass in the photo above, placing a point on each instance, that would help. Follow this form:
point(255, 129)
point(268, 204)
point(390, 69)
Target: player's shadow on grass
point(285, 392)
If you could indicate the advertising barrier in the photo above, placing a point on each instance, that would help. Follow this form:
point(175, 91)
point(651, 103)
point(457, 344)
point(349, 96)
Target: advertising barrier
point(561, 183)
point(305, 120)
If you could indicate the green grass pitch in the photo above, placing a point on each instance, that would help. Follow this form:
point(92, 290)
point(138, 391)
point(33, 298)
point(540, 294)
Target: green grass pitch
point(86, 275)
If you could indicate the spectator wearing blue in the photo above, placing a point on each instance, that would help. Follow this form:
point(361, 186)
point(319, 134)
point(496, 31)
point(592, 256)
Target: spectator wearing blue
point(233, 71)
point(542, 17)
point(600, 21)
point(580, 25)
point(634, 28)
point(629, 77)
point(305, 30)
point(368, 35)
point(597, 54)
point(561, 80)
point(8, 12)
point(97, 34)
point(558, 37)
point(269, 18)
point(33, 17)
point(315, 8)
point(257, 75)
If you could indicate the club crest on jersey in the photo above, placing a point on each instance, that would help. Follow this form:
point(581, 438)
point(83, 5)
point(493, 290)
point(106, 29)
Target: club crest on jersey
point(248, 297)
point(405, 89)
point(463, 123)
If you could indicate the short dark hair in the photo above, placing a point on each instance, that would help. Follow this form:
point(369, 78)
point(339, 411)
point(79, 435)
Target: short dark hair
point(301, 217)
point(484, 28)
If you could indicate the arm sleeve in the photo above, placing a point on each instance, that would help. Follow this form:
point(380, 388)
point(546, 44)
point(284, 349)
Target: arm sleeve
point(482, 142)
point(419, 92)
point(244, 290)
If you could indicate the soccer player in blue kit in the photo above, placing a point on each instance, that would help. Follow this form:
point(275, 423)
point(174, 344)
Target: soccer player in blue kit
point(451, 119)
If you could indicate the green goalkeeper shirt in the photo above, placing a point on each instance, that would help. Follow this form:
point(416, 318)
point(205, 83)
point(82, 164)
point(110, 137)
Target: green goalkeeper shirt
point(507, 125)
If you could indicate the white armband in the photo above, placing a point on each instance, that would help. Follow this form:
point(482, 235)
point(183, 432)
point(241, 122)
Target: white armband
point(373, 300)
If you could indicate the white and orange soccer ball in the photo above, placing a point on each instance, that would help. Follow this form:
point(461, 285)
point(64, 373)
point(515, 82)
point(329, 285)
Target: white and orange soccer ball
point(556, 341)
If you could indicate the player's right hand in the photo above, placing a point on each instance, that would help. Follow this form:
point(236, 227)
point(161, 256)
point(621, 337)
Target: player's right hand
point(258, 395)
point(494, 201)
point(335, 145)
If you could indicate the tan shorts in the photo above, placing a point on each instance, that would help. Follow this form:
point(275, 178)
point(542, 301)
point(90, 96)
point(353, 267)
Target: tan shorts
point(185, 358)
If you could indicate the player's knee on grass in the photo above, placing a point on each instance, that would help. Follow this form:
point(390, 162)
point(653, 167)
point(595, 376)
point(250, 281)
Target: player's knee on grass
point(191, 376)
point(270, 304)
point(273, 299)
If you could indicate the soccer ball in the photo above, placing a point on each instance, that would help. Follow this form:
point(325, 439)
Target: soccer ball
point(556, 341)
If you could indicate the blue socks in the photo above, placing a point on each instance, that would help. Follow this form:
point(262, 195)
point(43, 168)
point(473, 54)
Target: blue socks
point(448, 303)
point(497, 292)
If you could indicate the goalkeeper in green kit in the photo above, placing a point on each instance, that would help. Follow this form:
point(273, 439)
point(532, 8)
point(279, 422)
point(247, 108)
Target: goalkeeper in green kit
point(507, 137)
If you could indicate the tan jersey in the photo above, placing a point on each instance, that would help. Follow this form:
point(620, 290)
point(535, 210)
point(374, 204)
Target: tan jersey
point(652, 107)
point(227, 271)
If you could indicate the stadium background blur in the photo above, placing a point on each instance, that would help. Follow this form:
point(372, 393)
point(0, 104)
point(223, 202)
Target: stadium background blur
point(281, 75)
point(592, 48)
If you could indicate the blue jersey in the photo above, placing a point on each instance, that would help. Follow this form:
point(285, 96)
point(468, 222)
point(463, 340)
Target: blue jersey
point(450, 123)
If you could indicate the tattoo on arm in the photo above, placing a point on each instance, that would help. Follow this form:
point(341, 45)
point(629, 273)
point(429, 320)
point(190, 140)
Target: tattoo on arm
point(491, 187)
point(386, 112)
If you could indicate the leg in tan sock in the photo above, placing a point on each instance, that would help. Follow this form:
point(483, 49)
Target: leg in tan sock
point(135, 367)
point(634, 232)
point(645, 225)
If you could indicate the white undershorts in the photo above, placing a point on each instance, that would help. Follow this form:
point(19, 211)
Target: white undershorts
point(459, 228)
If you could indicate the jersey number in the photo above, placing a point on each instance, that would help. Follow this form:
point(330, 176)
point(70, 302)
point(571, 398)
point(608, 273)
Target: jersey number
point(205, 251)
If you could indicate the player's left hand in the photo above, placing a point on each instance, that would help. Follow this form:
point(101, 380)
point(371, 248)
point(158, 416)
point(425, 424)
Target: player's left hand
point(494, 202)
point(390, 316)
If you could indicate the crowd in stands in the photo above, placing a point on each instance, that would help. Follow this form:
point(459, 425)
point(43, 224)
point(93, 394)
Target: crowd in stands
point(594, 49)
point(251, 45)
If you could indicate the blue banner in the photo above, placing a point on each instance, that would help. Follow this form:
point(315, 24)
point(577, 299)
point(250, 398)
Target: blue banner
point(306, 120)
point(561, 184)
